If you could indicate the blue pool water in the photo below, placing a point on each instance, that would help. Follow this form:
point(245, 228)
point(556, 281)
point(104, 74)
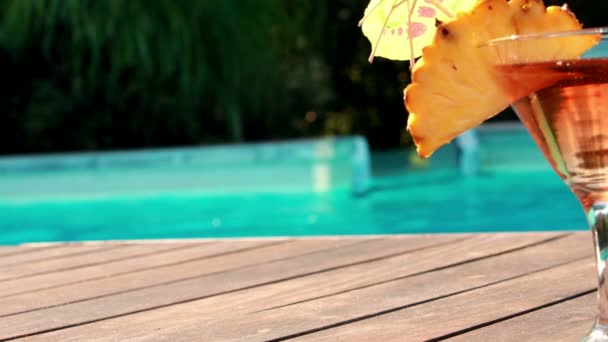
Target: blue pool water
point(413, 202)
point(320, 187)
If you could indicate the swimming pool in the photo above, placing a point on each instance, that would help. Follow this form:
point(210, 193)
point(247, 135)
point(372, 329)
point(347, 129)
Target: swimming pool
point(403, 197)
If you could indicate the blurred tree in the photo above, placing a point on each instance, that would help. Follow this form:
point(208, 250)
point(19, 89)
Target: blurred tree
point(101, 74)
point(118, 74)
point(369, 95)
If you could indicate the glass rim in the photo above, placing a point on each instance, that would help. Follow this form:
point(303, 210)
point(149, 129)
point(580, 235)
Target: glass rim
point(603, 31)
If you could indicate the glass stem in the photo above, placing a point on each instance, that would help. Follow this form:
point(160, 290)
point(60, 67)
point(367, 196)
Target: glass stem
point(598, 219)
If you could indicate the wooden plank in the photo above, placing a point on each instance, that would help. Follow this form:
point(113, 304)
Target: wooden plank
point(238, 313)
point(295, 260)
point(33, 254)
point(228, 318)
point(93, 258)
point(468, 309)
point(567, 321)
point(363, 275)
point(5, 250)
point(391, 270)
point(134, 280)
point(189, 252)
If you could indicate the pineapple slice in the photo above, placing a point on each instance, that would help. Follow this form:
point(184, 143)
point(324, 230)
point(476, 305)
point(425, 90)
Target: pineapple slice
point(452, 87)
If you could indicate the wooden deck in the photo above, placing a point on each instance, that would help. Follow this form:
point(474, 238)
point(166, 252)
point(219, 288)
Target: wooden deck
point(494, 287)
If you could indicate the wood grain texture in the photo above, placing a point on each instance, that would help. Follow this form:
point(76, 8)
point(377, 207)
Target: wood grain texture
point(173, 255)
point(399, 280)
point(153, 277)
point(454, 313)
point(567, 321)
point(92, 258)
point(8, 250)
point(499, 287)
point(195, 320)
point(46, 253)
point(197, 280)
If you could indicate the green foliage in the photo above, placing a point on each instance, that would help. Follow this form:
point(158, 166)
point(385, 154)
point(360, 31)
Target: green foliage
point(107, 74)
point(114, 73)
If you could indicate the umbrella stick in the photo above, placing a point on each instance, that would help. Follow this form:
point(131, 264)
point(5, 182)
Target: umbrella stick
point(442, 8)
point(370, 12)
point(371, 56)
point(410, 11)
point(409, 34)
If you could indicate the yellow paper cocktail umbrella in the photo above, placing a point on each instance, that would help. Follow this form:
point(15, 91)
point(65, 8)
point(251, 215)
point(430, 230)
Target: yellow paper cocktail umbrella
point(399, 29)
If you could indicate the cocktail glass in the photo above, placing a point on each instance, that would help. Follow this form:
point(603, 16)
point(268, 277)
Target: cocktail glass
point(564, 105)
